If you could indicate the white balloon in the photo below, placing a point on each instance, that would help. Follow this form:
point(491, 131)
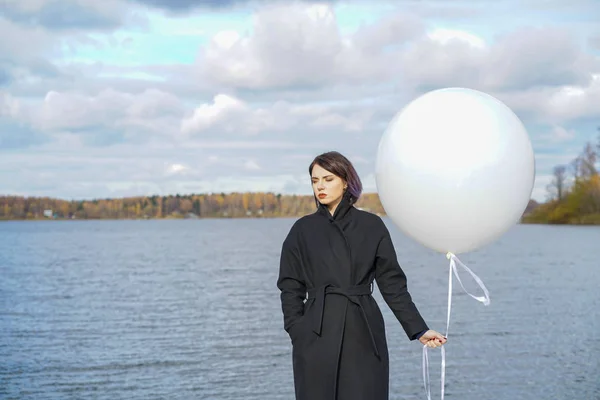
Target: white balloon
point(455, 169)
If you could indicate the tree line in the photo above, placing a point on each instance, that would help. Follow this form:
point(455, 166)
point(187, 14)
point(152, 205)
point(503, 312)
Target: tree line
point(574, 192)
point(221, 205)
point(234, 205)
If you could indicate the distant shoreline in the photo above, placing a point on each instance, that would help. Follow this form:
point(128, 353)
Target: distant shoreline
point(236, 218)
point(242, 205)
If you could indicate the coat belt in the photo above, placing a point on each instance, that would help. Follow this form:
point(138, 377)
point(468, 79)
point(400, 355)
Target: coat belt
point(352, 293)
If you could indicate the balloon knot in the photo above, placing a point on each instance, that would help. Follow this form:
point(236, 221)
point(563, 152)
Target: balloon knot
point(449, 255)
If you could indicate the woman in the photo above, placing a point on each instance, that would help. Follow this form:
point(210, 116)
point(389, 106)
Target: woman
point(330, 259)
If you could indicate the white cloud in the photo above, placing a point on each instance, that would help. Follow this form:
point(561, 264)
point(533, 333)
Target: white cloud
point(556, 105)
point(436, 62)
point(543, 57)
point(251, 165)
point(176, 169)
point(392, 31)
point(295, 43)
point(232, 116)
point(222, 111)
point(571, 102)
point(111, 115)
point(447, 36)
point(522, 60)
point(301, 44)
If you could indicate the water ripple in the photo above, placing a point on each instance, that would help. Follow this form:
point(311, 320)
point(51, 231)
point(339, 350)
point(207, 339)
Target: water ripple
point(189, 309)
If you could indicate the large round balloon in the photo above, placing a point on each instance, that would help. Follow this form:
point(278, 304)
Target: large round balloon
point(455, 169)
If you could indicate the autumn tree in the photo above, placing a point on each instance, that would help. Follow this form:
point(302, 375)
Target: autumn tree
point(588, 161)
point(186, 206)
point(580, 204)
point(245, 201)
point(556, 188)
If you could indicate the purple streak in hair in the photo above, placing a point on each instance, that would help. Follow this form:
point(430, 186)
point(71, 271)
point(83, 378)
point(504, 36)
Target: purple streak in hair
point(339, 165)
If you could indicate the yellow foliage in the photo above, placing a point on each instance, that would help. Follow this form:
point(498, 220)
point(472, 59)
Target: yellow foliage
point(580, 205)
point(208, 205)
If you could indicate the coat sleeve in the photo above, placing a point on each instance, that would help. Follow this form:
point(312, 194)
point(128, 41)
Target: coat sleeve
point(291, 282)
point(392, 283)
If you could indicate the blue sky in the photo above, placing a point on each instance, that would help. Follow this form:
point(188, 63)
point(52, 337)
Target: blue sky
point(124, 97)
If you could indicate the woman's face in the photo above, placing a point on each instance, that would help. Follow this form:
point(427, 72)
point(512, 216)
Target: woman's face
point(328, 188)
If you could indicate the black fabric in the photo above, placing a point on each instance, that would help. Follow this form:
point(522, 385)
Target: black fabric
point(327, 268)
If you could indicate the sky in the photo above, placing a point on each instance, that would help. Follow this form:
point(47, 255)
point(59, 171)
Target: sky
point(119, 98)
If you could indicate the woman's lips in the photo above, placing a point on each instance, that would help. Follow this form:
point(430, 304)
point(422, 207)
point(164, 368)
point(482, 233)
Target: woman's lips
point(322, 195)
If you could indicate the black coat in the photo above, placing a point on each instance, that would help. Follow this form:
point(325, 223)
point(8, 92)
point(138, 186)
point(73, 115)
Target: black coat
point(338, 334)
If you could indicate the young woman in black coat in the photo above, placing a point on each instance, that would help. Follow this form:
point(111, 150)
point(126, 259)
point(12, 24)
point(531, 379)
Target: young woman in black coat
point(328, 263)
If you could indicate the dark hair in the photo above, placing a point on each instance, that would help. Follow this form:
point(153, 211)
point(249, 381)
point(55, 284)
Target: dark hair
point(339, 165)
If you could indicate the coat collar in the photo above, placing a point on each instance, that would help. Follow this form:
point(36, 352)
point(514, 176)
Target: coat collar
point(341, 210)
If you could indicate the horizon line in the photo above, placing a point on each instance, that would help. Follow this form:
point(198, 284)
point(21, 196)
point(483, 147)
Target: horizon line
point(211, 193)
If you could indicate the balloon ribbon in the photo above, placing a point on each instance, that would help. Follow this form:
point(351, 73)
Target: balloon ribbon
point(454, 261)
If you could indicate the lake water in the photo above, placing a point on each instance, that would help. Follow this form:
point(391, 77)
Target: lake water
point(188, 309)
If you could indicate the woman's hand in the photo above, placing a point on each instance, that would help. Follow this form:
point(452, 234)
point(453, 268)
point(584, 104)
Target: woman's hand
point(432, 339)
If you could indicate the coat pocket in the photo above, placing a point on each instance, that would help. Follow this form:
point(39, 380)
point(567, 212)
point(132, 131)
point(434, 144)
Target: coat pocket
point(301, 326)
point(294, 330)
